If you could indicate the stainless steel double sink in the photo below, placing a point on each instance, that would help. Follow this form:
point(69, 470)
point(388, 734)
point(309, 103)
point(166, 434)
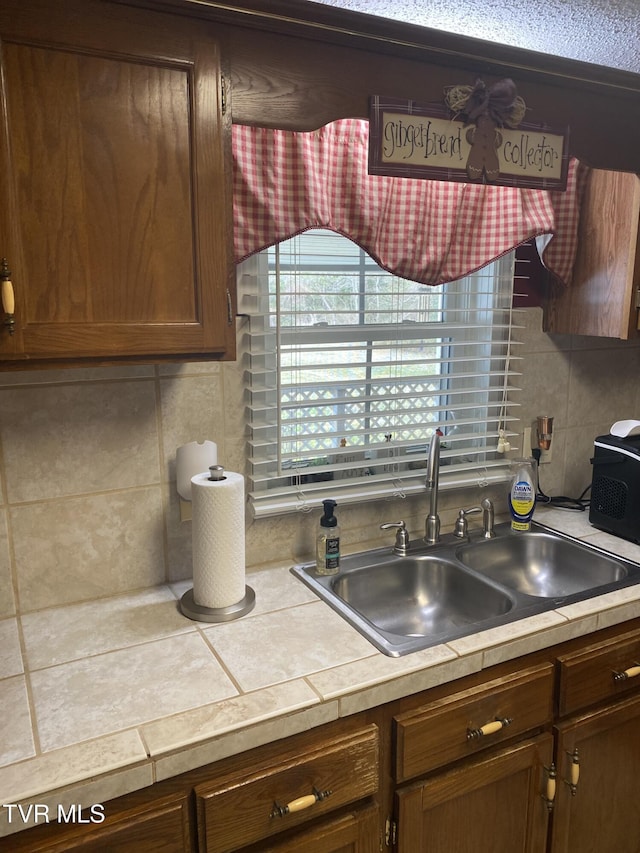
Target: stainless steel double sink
point(439, 593)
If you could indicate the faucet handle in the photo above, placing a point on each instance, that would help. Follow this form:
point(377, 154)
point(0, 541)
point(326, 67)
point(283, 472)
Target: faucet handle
point(461, 527)
point(402, 536)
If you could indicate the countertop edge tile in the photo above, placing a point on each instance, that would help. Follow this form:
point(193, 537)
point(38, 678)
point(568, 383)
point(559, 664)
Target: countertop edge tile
point(359, 675)
point(70, 764)
point(559, 633)
point(245, 739)
point(200, 725)
point(622, 613)
point(507, 634)
point(415, 682)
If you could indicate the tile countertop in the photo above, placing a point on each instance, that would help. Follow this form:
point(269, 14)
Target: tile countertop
point(106, 697)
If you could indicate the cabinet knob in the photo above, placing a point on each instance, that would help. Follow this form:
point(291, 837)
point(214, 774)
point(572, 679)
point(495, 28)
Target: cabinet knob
point(488, 728)
point(8, 300)
point(300, 803)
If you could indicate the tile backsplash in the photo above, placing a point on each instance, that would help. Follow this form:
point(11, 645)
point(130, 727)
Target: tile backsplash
point(88, 505)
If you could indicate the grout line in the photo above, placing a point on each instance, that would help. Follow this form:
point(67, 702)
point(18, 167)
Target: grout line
point(222, 664)
point(165, 497)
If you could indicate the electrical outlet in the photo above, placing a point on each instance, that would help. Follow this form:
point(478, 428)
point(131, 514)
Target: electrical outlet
point(526, 442)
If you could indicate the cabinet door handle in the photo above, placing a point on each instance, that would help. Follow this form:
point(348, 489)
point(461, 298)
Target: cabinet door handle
point(488, 728)
point(549, 795)
point(8, 300)
point(632, 672)
point(299, 804)
point(574, 772)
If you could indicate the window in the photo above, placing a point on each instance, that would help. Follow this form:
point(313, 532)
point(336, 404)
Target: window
point(352, 369)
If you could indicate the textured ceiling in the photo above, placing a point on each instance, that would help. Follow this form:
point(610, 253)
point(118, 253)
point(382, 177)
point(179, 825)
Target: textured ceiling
point(604, 32)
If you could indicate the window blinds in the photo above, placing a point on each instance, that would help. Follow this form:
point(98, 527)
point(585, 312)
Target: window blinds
point(352, 369)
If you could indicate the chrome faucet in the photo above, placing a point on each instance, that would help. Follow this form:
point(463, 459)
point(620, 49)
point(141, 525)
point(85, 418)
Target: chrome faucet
point(401, 547)
point(432, 523)
point(461, 527)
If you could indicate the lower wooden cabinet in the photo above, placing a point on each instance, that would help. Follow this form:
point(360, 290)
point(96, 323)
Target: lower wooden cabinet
point(356, 832)
point(601, 812)
point(469, 721)
point(160, 826)
point(240, 808)
point(491, 805)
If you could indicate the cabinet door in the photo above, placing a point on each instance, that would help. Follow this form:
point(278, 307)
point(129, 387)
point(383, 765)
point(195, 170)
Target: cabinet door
point(351, 833)
point(602, 297)
point(116, 213)
point(493, 805)
point(602, 816)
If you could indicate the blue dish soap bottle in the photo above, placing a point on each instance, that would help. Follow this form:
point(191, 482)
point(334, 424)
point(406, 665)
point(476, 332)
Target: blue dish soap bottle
point(328, 541)
point(522, 494)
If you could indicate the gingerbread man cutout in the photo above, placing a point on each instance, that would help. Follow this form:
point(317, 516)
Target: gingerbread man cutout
point(485, 140)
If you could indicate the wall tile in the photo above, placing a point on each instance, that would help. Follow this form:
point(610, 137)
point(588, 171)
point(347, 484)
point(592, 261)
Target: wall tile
point(578, 470)
point(74, 439)
point(192, 409)
point(178, 533)
point(532, 336)
point(189, 368)
point(603, 384)
point(87, 547)
point(80, 434)
point(544, 383)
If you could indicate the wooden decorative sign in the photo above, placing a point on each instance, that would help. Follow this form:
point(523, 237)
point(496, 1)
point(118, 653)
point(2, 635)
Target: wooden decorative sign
point(470, 144)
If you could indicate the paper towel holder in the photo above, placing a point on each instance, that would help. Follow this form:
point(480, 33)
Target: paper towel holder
point(199, 612)
point(217, 614)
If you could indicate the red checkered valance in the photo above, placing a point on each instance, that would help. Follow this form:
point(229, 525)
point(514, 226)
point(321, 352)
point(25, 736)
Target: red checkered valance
point(427, 231)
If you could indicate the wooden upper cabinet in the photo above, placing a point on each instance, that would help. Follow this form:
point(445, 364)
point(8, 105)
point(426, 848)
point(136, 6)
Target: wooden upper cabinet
point(602, 299)
point(116, 216)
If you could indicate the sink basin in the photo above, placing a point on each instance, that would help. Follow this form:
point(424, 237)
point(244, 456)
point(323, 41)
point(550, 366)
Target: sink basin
point(420, 596)
point(542, 564)
point(440, 593)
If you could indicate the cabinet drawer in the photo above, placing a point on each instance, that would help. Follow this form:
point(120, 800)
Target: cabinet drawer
point(237, 809)
point(162, 824)
point(599, 672)
point(448, 729)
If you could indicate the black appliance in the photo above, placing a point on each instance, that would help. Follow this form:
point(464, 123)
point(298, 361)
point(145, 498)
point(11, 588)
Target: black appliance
point(615, 486)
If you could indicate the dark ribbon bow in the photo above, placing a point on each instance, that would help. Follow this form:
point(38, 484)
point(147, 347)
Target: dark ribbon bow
point(496, 101)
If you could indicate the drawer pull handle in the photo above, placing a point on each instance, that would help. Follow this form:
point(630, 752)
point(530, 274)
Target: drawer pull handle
point(549, 795)
point(8, 300)
point(488, 729)
point(574, 772)
point(632, 672)
point(300, 803)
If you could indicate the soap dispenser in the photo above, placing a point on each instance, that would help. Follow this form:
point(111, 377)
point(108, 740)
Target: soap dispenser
point(522, 494)
point(328, 541)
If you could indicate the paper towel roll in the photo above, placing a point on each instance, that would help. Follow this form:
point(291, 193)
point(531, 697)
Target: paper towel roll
point(218, 539)
point(192, 459)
